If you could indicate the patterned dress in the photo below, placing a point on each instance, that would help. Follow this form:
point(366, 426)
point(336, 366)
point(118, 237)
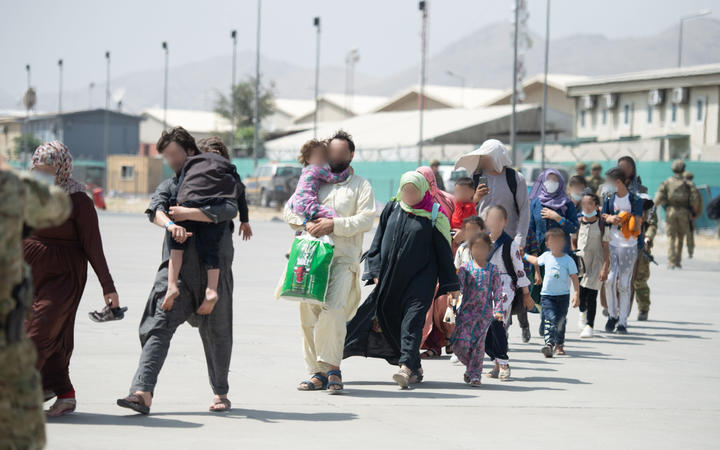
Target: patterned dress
point(304, 201)
point(482, 297)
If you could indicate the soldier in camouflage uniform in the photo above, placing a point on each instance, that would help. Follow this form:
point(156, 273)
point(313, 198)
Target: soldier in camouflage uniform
point(681, 203)
point(595, 179)
point(642, 275)
point(26, 202)
point(690, 177)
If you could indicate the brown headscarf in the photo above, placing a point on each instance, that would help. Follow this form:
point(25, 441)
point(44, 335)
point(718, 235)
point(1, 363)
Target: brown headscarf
point(55, 154)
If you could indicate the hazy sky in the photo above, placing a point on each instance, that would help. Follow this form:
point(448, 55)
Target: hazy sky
point(39, 32)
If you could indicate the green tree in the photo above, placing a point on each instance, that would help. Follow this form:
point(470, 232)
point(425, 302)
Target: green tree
point(243, 100)
point(26, 142)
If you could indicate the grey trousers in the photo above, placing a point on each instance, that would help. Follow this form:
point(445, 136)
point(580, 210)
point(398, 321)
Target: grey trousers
point(157, 327)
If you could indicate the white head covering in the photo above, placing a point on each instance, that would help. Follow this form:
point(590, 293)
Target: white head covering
point(497, 152)
point(491, 148)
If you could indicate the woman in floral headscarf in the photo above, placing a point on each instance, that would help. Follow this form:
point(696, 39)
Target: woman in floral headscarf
point(58, 257)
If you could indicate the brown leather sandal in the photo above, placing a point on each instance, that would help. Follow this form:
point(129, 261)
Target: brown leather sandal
point(227, 405)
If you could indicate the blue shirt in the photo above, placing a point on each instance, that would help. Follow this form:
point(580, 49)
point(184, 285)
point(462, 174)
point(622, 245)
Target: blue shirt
point(557, 273)
point(539, 225)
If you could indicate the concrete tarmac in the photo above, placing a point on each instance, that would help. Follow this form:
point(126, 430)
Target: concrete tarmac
point(656, 388)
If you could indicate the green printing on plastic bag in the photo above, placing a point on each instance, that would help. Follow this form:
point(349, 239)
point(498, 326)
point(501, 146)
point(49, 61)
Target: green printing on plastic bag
point(306, 276)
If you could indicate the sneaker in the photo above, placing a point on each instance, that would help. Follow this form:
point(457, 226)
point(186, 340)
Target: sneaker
point(582, 320)
point(494, 373)
point(610, 325)
point(454, 360)
point(547, 350)
point(504, 373)
point(621, 330)
point(642, 316)
point(605, 312)
point(526, 334)
point(587, 332)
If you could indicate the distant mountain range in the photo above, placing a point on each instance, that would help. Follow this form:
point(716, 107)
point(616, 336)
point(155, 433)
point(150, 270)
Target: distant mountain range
point(484, 58)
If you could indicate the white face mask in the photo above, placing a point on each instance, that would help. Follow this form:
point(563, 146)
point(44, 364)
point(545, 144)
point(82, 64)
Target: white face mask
point(551, 186)
point(43, 177)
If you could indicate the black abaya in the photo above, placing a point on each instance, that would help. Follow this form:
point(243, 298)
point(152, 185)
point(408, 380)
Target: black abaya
point(408, 256)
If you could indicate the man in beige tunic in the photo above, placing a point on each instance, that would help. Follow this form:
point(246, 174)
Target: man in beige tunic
point(324, 327)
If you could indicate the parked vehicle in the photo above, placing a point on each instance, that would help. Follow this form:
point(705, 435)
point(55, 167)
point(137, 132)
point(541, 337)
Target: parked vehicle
point(531, 171)
point(272, 182)
point(450, 174)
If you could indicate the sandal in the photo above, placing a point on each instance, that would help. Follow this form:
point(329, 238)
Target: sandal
point(475, 382)
point(466, 379)
point(134, 402)
point(560, 350)
point(310, 386)
point(61, 407)
point(224, 401)
point(108, 314)
point(340, 385)
point(428, 354)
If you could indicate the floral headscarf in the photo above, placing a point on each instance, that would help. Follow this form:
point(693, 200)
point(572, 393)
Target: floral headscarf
point(55, 154)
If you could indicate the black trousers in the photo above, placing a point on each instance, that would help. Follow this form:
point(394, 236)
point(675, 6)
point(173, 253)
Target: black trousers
point(496, 344)
point(588, 303)
point(207, 241)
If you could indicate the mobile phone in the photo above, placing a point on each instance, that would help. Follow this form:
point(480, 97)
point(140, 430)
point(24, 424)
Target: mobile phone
point(482, 180)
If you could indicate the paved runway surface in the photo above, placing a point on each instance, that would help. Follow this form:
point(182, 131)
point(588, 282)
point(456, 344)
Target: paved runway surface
point(656, 388)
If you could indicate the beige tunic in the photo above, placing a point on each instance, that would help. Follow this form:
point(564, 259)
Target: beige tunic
point(590, 249)
point(324, 326)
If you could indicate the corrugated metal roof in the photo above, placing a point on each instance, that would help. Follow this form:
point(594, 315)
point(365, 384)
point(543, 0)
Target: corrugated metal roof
point(657, 74)
point(398, 128)
point(195, 121)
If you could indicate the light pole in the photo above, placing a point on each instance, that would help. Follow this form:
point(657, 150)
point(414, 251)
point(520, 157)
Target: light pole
point(514, 85)
point(60, 72)
point(316, 24)
point(352, 57)
point(106, 131)
point(423, 7)
point(256, 121)
point(90, 93)
point(233, 36)
point(165, 92)
point(462, 85)
point(544, 106)
point(703, 12)
point(107, 81)
point(27, 71)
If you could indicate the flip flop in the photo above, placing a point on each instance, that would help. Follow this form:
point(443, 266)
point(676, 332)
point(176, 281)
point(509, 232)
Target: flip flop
point(134, 402)
point(221, 401)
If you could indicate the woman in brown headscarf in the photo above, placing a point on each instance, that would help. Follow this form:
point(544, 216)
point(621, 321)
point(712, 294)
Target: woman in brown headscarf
point(58, 257)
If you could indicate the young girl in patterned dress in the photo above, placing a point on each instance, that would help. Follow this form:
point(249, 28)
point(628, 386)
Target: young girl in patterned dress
point(482, 299)
point(304, 202)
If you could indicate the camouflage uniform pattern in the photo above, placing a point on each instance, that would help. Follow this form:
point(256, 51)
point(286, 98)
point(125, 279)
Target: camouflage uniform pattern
point(642, 289)
point(680, 202)
point(691, 235)
point(595, 180)
point(25, 202)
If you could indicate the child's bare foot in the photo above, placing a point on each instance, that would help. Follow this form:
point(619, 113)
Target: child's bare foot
point(211, 298)
point(170, 296)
